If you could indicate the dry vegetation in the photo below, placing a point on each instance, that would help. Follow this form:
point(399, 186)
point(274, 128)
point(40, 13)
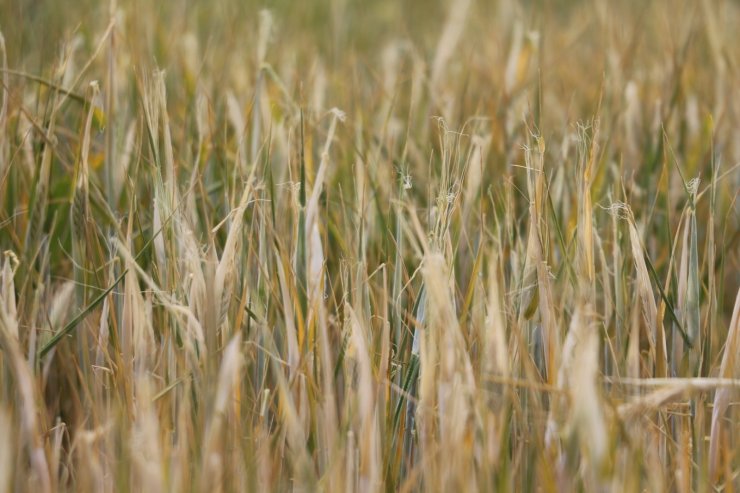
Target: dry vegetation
point(369, 246)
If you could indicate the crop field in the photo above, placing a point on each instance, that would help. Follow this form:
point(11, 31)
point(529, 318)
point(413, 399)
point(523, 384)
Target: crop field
point(369, 246)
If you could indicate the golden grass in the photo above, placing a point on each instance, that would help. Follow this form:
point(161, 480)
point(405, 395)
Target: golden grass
point(369, 246)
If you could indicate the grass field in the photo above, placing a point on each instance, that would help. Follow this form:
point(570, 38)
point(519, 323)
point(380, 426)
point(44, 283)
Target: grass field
point(355, 246)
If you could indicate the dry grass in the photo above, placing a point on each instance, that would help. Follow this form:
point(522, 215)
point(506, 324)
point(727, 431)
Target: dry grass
point(365, 246)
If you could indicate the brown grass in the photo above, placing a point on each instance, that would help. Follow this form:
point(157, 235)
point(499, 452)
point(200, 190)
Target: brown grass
point(369, 246)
